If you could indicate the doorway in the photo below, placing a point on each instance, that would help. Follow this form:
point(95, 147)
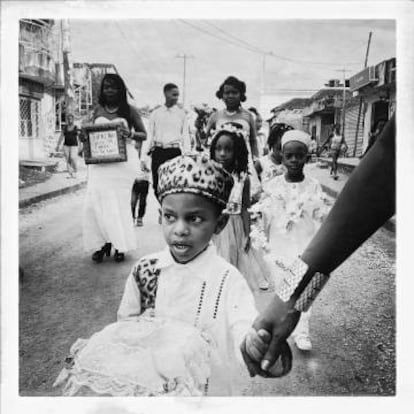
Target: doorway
point(380, 111)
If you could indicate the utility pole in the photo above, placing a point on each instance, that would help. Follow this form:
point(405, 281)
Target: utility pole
point(360, 98)
point(66, 48)
point(184, 57)
point(343, 100)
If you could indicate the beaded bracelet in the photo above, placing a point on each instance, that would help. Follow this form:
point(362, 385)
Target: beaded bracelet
point(293, 275)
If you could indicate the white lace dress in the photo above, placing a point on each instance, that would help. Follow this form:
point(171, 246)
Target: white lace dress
point(288, 215)
point(149, 356)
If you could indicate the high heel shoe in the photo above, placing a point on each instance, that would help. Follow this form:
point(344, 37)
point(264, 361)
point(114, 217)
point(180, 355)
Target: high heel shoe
point(99, 254)
point(119, 257)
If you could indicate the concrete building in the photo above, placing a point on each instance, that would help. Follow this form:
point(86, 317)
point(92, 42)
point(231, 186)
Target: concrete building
point(325, 111)
point(42, 91)
point(39, 88)
point(375, 86)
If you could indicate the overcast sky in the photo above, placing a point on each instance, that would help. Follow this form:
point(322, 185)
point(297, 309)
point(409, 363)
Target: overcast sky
point(306, 53)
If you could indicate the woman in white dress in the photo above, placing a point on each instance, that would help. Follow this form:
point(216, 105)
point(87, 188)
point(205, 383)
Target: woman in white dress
point(106, 213)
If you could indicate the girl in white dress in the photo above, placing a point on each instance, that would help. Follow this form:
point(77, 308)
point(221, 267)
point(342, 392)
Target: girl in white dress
point(106, 211)
point(233, 243)
point(290, 213)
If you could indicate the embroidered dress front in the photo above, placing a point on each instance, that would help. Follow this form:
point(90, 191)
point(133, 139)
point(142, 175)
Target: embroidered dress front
point(207, 292)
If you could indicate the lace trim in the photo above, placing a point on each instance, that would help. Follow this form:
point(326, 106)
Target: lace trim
point(84, 375)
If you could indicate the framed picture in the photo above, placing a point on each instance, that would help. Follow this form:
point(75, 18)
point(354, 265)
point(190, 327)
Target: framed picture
point(104, 143)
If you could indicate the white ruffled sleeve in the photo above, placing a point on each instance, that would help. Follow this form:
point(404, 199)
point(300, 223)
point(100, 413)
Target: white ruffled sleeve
point(130, 307)
point(322, 203)
point(241, 311)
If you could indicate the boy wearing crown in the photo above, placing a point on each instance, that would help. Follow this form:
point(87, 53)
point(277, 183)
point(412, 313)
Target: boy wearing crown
point(187, 280)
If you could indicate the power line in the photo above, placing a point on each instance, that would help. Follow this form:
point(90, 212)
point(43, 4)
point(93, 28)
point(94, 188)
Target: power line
point(139, 55)
point(234, 37)
point(236, 41)
point(200, 29)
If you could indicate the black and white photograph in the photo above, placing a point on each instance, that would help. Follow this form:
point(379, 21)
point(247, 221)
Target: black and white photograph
point(203, 204)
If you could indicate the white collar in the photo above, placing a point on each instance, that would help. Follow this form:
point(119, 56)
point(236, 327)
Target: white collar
point(202, 261)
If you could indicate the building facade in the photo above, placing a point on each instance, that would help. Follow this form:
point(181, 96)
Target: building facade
point(42, 91)
point(39, 88)
point(324, 111)
point(375, 86)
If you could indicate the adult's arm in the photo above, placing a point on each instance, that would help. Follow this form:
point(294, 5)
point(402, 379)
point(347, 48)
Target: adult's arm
point(245, 206)
point(366, 202)
point(151, 132)
point(253, 137)
point(211, 124)
point(259, 169)
point(139, 133)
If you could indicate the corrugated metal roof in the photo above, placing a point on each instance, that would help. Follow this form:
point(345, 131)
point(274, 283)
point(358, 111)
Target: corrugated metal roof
point(329, 92)
point(295, 103)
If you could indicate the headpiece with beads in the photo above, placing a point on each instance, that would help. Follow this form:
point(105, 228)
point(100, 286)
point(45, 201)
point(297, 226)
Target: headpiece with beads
point(195, 175)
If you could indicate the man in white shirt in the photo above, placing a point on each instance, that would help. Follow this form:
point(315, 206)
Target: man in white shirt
point(168, 134)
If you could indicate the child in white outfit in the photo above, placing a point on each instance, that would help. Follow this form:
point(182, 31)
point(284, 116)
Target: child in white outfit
point(187, 280)
point(291, 210)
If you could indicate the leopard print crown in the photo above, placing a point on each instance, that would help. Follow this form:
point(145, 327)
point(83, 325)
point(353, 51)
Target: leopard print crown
point(195, 175)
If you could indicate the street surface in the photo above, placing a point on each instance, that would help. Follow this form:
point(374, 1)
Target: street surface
point(64, 296)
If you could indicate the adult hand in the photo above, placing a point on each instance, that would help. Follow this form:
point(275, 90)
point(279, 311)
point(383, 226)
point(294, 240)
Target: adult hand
point(279, 320)
point(125, 132)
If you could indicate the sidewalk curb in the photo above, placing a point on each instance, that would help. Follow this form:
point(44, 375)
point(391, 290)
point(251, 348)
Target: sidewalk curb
point(51, 194)
point(389, 225)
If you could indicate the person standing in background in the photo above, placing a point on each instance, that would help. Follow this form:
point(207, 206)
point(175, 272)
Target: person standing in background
point(335, 141)
point(106, 210)
point(233, 92)
point(70, 134)
point(168, 133)
point(373, 135)
point(140, 188)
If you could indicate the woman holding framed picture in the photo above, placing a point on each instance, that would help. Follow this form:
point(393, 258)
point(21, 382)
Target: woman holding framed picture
point(106, 212)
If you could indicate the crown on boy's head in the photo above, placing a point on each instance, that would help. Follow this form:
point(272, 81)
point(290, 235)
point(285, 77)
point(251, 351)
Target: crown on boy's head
point(195, 175)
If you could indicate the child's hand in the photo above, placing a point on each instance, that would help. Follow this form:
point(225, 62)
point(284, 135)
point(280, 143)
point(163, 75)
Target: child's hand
point(257, 343)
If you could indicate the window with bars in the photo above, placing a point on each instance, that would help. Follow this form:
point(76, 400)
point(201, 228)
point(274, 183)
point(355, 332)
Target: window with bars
point(29, 117)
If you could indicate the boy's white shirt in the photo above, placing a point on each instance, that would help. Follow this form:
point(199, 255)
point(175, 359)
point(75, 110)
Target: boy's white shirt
point(178, 296)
